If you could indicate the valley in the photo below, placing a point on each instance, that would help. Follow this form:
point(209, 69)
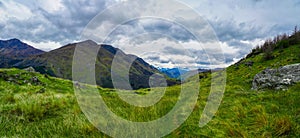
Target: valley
point(39, 105)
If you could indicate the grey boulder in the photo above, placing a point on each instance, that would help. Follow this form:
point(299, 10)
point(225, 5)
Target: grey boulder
point(278, 79)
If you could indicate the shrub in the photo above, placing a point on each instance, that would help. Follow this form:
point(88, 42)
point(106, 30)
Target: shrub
point(282, 126)
point(283, 44)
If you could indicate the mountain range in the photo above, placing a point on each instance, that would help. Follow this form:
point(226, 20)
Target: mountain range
point(174, 72)
point(58, 62)
point(14, 48)
point(13, 51)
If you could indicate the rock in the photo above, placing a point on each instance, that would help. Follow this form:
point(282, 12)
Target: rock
point(30, 69)
point(17, 76)
point(10, 79)
point(278, 79)
point(35, 80)
point(249, 63)
point(42, 90)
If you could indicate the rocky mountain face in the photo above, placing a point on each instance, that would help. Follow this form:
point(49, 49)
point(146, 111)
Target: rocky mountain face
point(14, 48)
point(277, 78)
point(58, 63)
point(13, 51)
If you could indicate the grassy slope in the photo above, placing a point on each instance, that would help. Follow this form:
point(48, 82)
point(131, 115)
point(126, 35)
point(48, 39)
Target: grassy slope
point(30, 110)
point(266, 113)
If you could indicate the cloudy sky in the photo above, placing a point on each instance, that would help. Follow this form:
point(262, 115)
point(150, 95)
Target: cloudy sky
point(239, 25)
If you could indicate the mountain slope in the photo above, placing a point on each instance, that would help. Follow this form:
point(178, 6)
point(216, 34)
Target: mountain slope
point(272, 54)
point(249, 113)
point(14, 48)
point(58, 63)
point(13, 51)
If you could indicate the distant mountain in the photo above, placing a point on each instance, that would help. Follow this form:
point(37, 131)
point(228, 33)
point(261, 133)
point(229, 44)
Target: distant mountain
point(13, 51)
point(58, 63)
point(173, 72)
point(192, 73)
point(14, 48)
point(184, 74)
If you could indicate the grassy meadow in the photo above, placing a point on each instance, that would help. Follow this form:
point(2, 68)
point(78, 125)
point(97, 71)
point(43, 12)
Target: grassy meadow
point(48, 108)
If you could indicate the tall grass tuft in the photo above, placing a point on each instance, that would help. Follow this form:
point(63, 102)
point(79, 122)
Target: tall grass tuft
point(282, 126)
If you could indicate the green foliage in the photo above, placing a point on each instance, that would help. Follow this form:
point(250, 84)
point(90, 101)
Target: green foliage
point(283, 44)
point(279, 42)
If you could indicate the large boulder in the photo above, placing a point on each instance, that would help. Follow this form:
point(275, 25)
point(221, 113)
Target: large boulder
point(278, 79)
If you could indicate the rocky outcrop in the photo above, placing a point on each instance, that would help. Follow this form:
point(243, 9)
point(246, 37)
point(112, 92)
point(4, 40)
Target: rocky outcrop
point(30, 69)
point(22, 78)
point(278, 79)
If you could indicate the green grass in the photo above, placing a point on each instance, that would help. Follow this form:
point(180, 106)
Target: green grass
point(50, 109)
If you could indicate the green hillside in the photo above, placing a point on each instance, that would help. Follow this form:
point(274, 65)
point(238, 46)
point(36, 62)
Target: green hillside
point(58, 63)
point(48, 107)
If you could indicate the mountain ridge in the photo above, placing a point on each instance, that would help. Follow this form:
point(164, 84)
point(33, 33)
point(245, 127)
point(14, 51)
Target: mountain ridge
point(17, 49)
point(58, 63)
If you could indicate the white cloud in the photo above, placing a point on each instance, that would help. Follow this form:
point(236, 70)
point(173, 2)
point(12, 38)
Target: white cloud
point(168, 53)
point(13, 10)
point(45, 46)
point(51, 6)
point(254, 43)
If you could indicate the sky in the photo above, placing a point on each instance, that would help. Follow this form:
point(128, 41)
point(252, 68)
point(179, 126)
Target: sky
point(238, 26)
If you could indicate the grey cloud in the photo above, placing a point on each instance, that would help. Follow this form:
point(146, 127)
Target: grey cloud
point(76, 14)
point(156, 25)
point(164, 61)
point(156, 28)
point(1, 27)
point(232, 23)
point(248, 20)
point(75, 17)
point(174, 51)
point(171, 29)
point(229, 30)
point(155, 58)
point(243, 47)
point(203, 63)
point(202, 57)
point(51, 33)
point(206, 57)
point(61, 26)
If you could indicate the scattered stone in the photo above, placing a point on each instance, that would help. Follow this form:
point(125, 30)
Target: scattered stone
point(35, 80)
point(278, 79)
point(42, 90)
point(249, 63)
point(30, 69)
point(10, 79)
point(77, 85)
point(20, 78)
point(17, 76)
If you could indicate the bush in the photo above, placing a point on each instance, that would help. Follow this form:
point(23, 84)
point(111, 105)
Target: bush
point(284, 44)
point(268, 52)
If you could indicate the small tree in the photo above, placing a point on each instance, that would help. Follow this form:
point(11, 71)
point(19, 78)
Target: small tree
point(268, 49)
point(297, 35)
point(295, 38)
